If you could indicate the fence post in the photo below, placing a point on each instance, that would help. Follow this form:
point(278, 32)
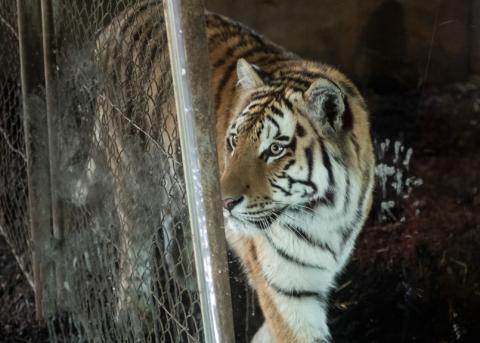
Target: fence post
point(187, 42)
point(37, 149)
point(51, 95)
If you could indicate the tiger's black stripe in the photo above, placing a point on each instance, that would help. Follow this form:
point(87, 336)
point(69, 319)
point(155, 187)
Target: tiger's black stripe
point(328, 199)
point(281, 138)
point(283, 190)
point(272, 55)
point(214, 21)
point(347, 117)
point(289, 164)
point(276, 111)
point(313, 76)
point(291, 258)
point(141, 37)
point(327, 163)
point(346, 201)
point(274, 122)
point(233, 27)
point(292, 145)
point(265, 153)
point(309, 156)
point(145, 58)
point(347, 231)
point(229, 53)
point(131, 18)
point(302, 235)
point(298, 84)
point(269, 59)
point(300, 130)
point(295, 293)
point(288, 104)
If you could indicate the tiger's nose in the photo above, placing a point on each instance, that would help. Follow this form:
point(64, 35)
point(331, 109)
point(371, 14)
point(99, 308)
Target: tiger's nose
point(230, 202)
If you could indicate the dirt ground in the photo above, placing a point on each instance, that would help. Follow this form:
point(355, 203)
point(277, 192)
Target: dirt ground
point(17, 317)
point(411, 281)
point(419, 281)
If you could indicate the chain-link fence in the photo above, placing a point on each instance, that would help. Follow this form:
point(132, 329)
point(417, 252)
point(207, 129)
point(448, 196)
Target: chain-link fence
point(13, 171)
point(117, 261)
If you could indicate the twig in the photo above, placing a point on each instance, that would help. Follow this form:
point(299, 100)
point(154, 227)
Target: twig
point(345, 285)
point(430, 51)
point(10, 27)
point(10, 145)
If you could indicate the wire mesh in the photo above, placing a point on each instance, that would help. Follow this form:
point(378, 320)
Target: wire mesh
point(13, 173)
point(124, 263)
point(121, 247)
point(125, 267)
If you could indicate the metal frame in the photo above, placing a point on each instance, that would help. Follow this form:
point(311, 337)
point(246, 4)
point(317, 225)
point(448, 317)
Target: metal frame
point(187, 42)
point(50, 63)
point(37, 148)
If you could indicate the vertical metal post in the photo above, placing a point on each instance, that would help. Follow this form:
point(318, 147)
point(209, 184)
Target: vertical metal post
point(36, 143)
point(187, 42)
point(51, 96)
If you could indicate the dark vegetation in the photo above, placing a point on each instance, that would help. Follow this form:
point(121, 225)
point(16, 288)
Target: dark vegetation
point(419, 280)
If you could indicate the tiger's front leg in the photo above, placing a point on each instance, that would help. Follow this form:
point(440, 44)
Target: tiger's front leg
point(134, 304)
point(135, 231)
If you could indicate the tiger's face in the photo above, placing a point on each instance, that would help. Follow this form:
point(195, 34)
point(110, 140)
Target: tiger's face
point(278, 151)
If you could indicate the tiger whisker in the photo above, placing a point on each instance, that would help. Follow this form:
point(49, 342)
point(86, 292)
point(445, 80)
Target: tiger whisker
point(300, 206)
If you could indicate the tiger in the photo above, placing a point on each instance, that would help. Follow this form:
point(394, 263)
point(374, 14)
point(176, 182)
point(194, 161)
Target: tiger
point(294, 151)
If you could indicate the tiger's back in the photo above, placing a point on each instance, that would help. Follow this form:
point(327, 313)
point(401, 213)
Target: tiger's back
point(322, 177)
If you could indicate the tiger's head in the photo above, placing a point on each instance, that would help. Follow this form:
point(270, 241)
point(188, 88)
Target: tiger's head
point(291, 133)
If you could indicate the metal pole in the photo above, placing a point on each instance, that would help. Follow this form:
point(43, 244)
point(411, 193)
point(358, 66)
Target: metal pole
point(51, 96)
point(187, 42)
point(36, 143)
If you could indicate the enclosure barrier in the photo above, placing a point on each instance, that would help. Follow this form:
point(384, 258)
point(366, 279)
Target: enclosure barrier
point(14, 218)
point(36, 143)
point(191, 78)
point(112, 254)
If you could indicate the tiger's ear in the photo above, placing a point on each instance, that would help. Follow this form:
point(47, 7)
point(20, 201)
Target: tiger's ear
point(248, 78)
point(325, 101)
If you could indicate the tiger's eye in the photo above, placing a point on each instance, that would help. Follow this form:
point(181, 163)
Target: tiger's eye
point(276, 149)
